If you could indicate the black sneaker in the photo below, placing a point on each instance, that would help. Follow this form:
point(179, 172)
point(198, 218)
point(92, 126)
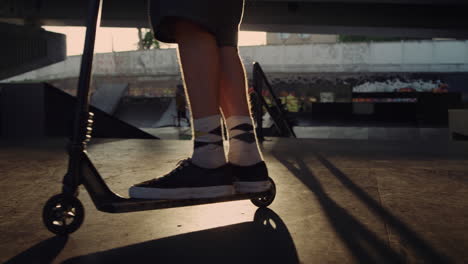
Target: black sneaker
point(250, 179)
point(186, 181)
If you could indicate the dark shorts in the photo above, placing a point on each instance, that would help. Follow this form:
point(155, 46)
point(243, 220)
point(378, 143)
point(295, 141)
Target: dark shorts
point(219, 17)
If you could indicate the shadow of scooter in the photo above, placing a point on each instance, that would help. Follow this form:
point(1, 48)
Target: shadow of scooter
point(265, 240)
point(43, 252)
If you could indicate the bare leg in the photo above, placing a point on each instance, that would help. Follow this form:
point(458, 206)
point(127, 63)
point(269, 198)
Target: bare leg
point(199, 62)
point(200, 67)
point(243, 147)
point(204, 77)
point(233, 90)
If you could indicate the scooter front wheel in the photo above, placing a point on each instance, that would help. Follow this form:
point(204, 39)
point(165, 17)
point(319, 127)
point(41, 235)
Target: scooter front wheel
point(267, 199)
point(63, 214)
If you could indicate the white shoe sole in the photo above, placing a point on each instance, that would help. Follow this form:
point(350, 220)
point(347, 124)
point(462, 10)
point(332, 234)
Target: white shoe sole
point(181, 193)
point(252, 187)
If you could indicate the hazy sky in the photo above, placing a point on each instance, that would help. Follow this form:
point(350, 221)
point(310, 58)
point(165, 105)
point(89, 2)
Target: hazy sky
point(123, 39)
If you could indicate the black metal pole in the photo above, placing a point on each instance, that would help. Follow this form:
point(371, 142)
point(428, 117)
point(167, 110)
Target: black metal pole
point(277, 102)
point(85, 70)
point(260, 79)
point(76, 146)
point(258, 108)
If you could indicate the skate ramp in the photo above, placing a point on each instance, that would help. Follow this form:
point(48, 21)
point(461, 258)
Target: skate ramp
point(107, 96)
point(149, 112)
point(42, 110)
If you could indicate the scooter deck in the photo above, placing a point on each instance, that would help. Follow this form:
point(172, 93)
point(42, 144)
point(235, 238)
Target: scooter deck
point(108, 201)
point(123, 205)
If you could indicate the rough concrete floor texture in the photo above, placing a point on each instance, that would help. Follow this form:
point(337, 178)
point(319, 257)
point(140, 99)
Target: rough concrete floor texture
point(338, 201)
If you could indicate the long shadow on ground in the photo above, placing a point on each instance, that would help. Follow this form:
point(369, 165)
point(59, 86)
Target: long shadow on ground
point(265, 240)
point(362, 242)
point(422, 248)
point(41, 253)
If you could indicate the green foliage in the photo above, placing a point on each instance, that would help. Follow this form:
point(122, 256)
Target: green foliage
point(149, 42)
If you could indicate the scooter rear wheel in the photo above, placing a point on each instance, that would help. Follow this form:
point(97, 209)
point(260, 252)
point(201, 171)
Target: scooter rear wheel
point(268, 198)
point(63, 214)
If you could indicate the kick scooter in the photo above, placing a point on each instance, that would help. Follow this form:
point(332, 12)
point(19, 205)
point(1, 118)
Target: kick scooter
point(63, 213)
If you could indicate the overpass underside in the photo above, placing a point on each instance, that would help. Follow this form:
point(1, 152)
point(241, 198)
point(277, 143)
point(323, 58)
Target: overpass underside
point(415, 18)
point(411, 18)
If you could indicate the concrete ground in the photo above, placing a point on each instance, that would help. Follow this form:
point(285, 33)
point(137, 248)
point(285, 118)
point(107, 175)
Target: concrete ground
point(325, 132)
point(338, 201)
point(372, 133)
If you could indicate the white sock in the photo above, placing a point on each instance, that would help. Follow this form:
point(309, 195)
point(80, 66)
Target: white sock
point(208, 149)
point(243, 147)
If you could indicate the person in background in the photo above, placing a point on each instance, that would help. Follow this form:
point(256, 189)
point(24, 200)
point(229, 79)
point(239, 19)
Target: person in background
point(181, 104)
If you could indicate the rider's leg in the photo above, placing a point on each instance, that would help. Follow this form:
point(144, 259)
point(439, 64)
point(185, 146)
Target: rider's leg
point(206, 174)
point(243, 147)
point(200, 66)
point(246, 162)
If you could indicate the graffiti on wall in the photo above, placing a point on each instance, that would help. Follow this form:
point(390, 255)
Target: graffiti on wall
point(397, 85)
point(300, 97)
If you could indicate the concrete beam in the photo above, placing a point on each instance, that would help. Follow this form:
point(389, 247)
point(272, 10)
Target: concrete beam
point(365, 19)
point(436, 18)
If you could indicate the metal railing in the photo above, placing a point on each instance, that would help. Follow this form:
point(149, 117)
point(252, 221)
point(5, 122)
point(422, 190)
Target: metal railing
point(276, 110)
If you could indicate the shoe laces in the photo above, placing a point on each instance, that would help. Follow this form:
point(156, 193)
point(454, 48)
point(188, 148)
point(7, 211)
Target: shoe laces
point(180, 165)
